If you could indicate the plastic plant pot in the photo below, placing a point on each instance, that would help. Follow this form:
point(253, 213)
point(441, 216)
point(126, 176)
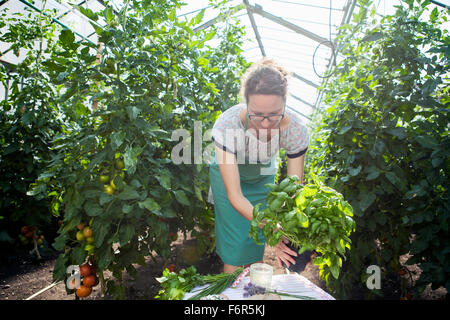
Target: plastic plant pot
point(301, 260)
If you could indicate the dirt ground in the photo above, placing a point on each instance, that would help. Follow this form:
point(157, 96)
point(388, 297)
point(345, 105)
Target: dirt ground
point(22, 276)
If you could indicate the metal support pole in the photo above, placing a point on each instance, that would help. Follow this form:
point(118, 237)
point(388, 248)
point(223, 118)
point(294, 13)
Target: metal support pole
point(299, 77)
point(258, 9)
point(220, 17)
point(298, 112)
point(255, 28)
point(301, 100)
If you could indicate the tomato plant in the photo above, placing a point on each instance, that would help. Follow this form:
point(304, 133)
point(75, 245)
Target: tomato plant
point(383, 143)
point(154, 74)
point(30, 118)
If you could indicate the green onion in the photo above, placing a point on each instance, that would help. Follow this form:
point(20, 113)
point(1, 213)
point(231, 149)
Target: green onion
point(218, 283)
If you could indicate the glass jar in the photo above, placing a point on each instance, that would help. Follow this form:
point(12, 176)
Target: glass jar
point(261, 275)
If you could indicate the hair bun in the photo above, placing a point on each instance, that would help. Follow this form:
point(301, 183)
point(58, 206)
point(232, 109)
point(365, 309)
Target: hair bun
point(271, 63)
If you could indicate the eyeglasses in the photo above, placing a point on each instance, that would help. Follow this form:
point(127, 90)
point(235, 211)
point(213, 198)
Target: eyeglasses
point(272, 118)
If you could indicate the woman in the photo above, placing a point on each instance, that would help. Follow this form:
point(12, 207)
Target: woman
point(236, 185)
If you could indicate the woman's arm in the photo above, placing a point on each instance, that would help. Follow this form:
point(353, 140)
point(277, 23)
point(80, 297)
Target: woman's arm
point(295, 166)
point(230, 175)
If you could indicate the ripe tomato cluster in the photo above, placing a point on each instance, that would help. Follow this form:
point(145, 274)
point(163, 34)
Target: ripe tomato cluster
point(28, 233)
point(90, 280)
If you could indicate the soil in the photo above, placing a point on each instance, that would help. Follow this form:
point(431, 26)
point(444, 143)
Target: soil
point(22, 275)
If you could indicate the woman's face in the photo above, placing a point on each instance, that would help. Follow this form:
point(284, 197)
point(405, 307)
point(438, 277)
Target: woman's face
point(265, 105)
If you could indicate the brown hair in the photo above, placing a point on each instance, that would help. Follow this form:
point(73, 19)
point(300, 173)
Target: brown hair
point(264, 77)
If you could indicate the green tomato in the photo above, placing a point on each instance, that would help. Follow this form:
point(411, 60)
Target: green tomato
point(89, 248)
point(120, 164)
point(80, 236)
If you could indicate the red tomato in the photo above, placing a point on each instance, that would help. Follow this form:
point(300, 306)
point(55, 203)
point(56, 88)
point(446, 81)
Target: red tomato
point(171, 267)
point(83, 291)
point(89, 281)
point(85, 270)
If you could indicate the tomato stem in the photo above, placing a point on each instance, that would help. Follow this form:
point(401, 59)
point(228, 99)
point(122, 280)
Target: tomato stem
point(102, 284)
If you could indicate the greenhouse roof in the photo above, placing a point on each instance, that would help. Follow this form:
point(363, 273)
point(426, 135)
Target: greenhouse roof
point(298, 34)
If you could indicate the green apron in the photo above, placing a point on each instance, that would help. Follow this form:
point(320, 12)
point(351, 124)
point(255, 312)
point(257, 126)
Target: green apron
point(233, 245)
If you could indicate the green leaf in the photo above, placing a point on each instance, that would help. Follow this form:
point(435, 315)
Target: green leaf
point(165, 213)
point(108, 13)
point(379, 146)
point(5, 237)
point(127, 208)
point(93, 209)
point(100, 229)
point(149, 204)
point(380, 218)
point(27, 117)
point(398, 132)
point(373, 174)
point(198, 193)
point(172, 15)
point(198, 18)
point(392, 177)
point(300, 201)
point(67, 38)
point(434, 14)
point(335, 271)
point(128, 193)
point(180, 195)
point(373, 37)
point(60, 268)
point(164, 179)
point(105, 198)
point(148, 20)
point(436, 162)
point(354, 171)
point(426, 142)
point(318, 261)
point(416, 191)
point(130, 158)
point(126, 234)
point(117, 138)
point(302, 219)
point(105, 257)
point(210, 35)
point(60, 241)
point(97, 28)
point(344, 129)
point(366, 200)
point(11, 148)
point(78, 255)
point(133, 113)
point(87, 12)
point(309, 190)
point(203, 62)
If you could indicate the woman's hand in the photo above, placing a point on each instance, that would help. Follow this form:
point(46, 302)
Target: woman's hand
point(283, 253)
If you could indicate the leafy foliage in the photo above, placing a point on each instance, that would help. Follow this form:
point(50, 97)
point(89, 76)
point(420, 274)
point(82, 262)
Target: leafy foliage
point(108, 163)
point(311, 217)
point(384, 144)
point(30, 117)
